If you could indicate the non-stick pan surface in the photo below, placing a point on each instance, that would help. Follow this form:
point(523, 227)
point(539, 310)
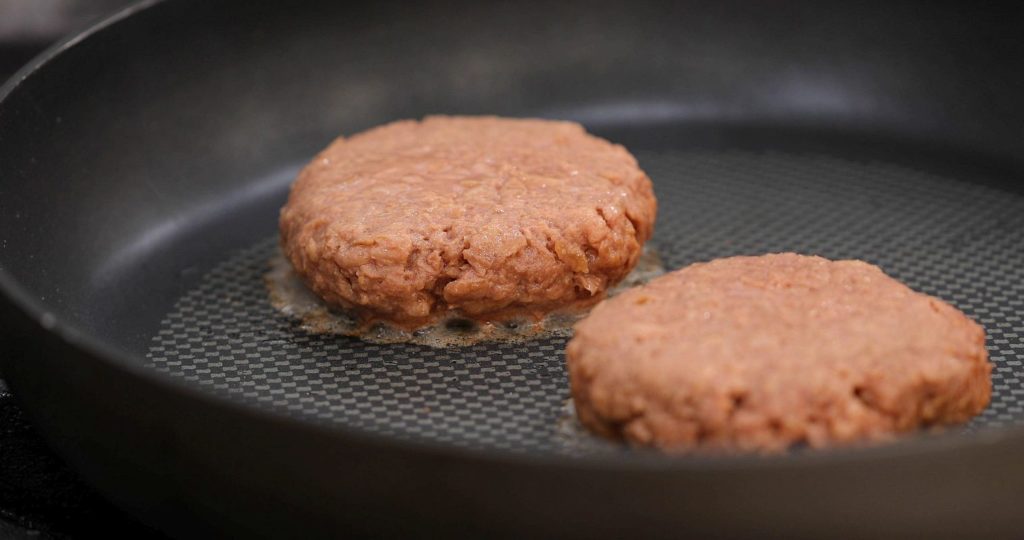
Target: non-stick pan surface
point(142, 166)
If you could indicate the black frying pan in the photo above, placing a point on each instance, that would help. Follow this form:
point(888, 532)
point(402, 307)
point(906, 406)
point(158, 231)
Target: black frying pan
point(142, 164)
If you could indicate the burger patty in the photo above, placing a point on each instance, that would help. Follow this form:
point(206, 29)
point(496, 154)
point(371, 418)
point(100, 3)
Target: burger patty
point(479, 217)
point(764, 353)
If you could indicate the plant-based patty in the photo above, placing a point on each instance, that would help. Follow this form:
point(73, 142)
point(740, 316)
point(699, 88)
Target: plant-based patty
point(479, 217)
point(764, 353)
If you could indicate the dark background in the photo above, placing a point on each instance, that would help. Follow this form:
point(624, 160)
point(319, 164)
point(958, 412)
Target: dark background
point(39, 496)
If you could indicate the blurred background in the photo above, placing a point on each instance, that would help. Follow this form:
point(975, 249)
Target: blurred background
point(40, 498)
point(28, 26)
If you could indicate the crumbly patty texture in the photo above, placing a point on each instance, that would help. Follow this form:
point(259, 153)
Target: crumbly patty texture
point(766, 353)
point(481, 217)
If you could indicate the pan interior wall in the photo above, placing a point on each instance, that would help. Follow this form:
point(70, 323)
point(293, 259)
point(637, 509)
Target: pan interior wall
point(957, 239)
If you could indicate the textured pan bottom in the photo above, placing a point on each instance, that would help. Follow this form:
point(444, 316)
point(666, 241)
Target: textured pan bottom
point(952, 238)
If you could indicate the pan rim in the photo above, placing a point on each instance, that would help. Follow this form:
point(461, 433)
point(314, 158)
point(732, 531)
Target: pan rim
point(176, 388)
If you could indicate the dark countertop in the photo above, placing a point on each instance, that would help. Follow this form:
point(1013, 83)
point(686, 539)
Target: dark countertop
point(40, 497)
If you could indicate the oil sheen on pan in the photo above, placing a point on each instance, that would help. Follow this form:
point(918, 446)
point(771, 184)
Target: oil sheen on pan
point(291, 297)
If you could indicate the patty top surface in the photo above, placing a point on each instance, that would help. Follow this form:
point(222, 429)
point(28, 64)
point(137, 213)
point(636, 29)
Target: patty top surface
point(770, 351)
point(479, 215)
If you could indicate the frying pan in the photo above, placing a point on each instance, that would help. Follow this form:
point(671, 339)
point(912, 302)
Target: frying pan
point(143, 161)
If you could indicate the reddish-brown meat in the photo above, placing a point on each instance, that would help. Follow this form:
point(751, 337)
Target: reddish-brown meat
point(481, 217)
point(761, 353)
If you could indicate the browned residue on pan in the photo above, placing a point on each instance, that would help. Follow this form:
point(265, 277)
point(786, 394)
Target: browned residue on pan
point(290, 296)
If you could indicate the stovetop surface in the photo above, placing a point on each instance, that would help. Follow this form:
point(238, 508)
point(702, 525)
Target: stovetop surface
point(40, 497)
